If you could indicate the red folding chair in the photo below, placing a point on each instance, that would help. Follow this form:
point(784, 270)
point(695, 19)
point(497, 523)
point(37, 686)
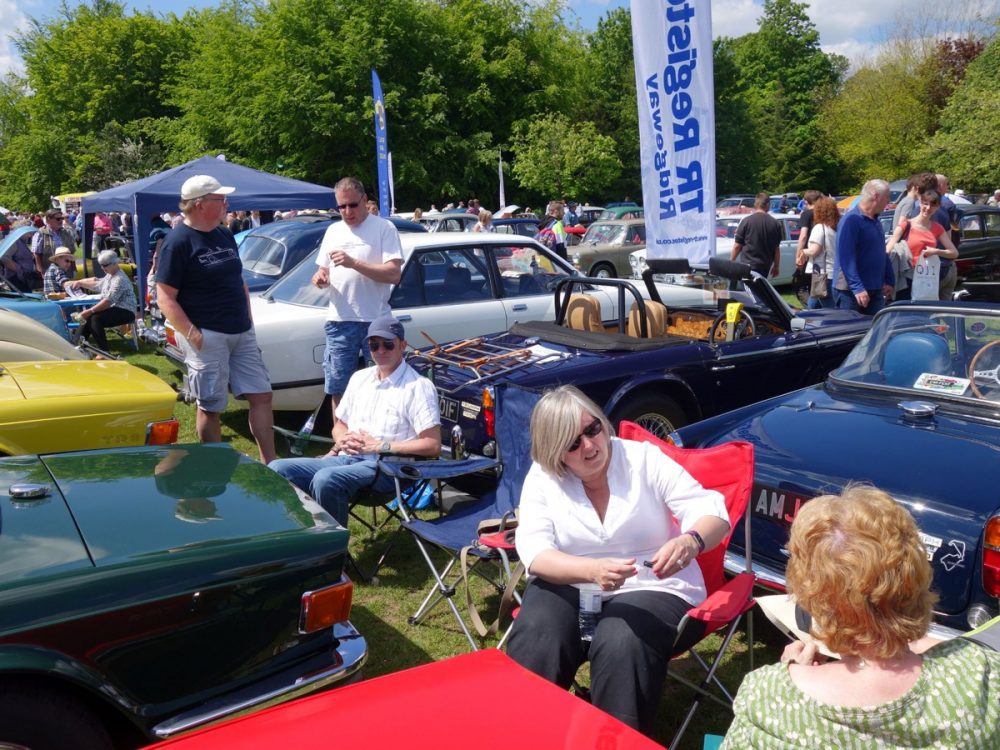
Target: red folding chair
point(727, 469)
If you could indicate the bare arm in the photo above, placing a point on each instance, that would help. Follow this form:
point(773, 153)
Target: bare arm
point(737, 247)
point(166, 298)
point(321, 279)
point(386, 273)
point(948, 251)
point(891, 242)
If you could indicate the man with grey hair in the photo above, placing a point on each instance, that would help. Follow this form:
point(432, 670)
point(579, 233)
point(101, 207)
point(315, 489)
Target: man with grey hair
point(200, 289)
point(862, 272)
point(359, 260)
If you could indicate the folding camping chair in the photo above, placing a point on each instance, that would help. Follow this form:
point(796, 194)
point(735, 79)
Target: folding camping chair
point(411, 478)
point(459, 530)
point(728, 469)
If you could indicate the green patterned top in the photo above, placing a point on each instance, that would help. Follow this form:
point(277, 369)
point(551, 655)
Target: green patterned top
point(955, 703)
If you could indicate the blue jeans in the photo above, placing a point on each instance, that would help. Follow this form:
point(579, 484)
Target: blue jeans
point(345, 340)
point(334, 480)
point(846, 301)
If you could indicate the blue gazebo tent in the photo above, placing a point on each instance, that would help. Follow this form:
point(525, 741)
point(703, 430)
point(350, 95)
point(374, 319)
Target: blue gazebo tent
point(161, 192)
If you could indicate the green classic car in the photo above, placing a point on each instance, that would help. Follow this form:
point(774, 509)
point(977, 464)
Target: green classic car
point(145, 591)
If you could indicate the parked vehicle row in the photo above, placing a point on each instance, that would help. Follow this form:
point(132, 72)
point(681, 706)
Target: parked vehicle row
point(661, 366)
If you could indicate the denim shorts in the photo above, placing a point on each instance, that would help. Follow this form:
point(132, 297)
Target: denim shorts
point(225, 360)
point(346, 343)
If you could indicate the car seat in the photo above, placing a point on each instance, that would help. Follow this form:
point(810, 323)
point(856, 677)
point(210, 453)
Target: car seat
point(656, 320)
point(584, 313)
point(910, 354)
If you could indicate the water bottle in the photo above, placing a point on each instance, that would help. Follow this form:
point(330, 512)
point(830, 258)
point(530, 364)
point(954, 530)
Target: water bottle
point(590, 610)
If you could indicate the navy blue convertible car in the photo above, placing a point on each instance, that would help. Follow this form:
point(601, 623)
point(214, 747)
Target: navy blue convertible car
point(913, 410)
point(738, 342)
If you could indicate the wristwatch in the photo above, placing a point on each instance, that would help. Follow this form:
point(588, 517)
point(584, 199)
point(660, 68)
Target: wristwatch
point(384, 447)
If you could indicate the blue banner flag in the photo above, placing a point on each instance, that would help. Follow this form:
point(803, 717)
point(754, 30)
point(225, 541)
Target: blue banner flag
point(381, 149)
point(672, 43)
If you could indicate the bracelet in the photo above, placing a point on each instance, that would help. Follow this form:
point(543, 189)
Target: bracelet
point(697, 538)
point(189, 331)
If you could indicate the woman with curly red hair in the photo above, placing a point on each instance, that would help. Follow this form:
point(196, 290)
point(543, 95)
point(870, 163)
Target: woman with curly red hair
point(860, 569)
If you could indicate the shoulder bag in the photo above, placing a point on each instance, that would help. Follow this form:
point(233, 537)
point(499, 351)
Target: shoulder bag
point(818, 286)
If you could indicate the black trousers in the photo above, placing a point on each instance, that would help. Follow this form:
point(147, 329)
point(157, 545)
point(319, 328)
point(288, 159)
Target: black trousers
point(629, 654)
point(94, 326)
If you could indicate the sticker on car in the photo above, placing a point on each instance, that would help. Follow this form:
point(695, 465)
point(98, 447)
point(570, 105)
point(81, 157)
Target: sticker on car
point(448, 408)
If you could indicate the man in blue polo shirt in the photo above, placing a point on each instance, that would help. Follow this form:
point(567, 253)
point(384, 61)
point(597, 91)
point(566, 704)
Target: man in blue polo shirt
point(862, 272)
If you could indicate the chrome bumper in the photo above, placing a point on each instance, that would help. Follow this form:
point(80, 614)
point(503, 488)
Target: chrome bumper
point(347, 660)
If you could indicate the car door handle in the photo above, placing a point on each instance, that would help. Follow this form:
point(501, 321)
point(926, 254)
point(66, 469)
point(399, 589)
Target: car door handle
point(404, 318)
point(720, 368)
point(519, 308)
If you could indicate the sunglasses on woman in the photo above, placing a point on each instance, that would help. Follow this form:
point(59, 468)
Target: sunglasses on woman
point(374, 345)
point(591, 431)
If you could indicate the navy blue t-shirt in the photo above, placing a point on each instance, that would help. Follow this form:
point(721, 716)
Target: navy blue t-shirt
point(205, 269)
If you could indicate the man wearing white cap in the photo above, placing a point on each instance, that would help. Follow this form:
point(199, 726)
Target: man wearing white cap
point(200, 288)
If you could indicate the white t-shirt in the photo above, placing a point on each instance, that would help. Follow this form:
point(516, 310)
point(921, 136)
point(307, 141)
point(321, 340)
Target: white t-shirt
point(353, 296)
point(826, 238)
point(653, 499)
point(397, 408)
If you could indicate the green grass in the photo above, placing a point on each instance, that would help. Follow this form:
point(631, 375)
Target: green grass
point(380, 610)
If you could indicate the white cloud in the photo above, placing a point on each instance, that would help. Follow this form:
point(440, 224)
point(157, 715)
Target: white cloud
point(14, 20)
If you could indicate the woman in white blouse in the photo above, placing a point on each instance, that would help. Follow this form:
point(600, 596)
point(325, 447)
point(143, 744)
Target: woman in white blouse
point(597, 511)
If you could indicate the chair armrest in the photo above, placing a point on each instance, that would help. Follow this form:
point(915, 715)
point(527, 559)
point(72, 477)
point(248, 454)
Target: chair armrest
point(727, 602)
point(400, 467)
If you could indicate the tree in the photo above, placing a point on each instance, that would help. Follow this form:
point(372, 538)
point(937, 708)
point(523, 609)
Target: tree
point(88, 73)
point(943, 70)
point(964, 146)
point(737, 144)
point(611, 97)
point(556, 156)
point(785, 76)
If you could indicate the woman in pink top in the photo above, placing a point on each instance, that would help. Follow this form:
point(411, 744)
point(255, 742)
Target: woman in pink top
point(924, 235)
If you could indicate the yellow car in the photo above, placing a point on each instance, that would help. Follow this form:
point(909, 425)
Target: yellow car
point(63, 405)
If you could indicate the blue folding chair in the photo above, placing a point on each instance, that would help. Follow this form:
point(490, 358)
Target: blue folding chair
point(459, 530)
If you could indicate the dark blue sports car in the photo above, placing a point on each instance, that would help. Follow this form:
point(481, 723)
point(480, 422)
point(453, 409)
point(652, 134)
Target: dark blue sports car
point(913, 410)
point(736, 342)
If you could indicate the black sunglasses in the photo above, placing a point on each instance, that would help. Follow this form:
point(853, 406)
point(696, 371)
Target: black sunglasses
point(374, 345)
point(594, 429)
point(342, 206)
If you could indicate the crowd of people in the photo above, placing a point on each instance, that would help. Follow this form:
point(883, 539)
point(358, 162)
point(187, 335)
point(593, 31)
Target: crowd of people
point(846, 258)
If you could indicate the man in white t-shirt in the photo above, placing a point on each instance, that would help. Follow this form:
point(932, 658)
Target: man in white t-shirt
point(388, 408)
point(359, 260)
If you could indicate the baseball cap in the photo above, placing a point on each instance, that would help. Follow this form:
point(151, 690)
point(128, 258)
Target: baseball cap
point(201, 185)
point(386, 327)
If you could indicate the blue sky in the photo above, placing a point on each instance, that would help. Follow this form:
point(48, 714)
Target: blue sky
point(852, 28)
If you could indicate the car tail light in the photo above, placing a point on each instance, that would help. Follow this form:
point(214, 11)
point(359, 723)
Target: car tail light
point(489, 413)
point(325, 607)
point(162, 433)
point(991, 557)
point(171, 336)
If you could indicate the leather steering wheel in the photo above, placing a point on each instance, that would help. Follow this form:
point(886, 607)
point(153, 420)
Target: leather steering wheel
point(745, 327)
point(993, 374)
